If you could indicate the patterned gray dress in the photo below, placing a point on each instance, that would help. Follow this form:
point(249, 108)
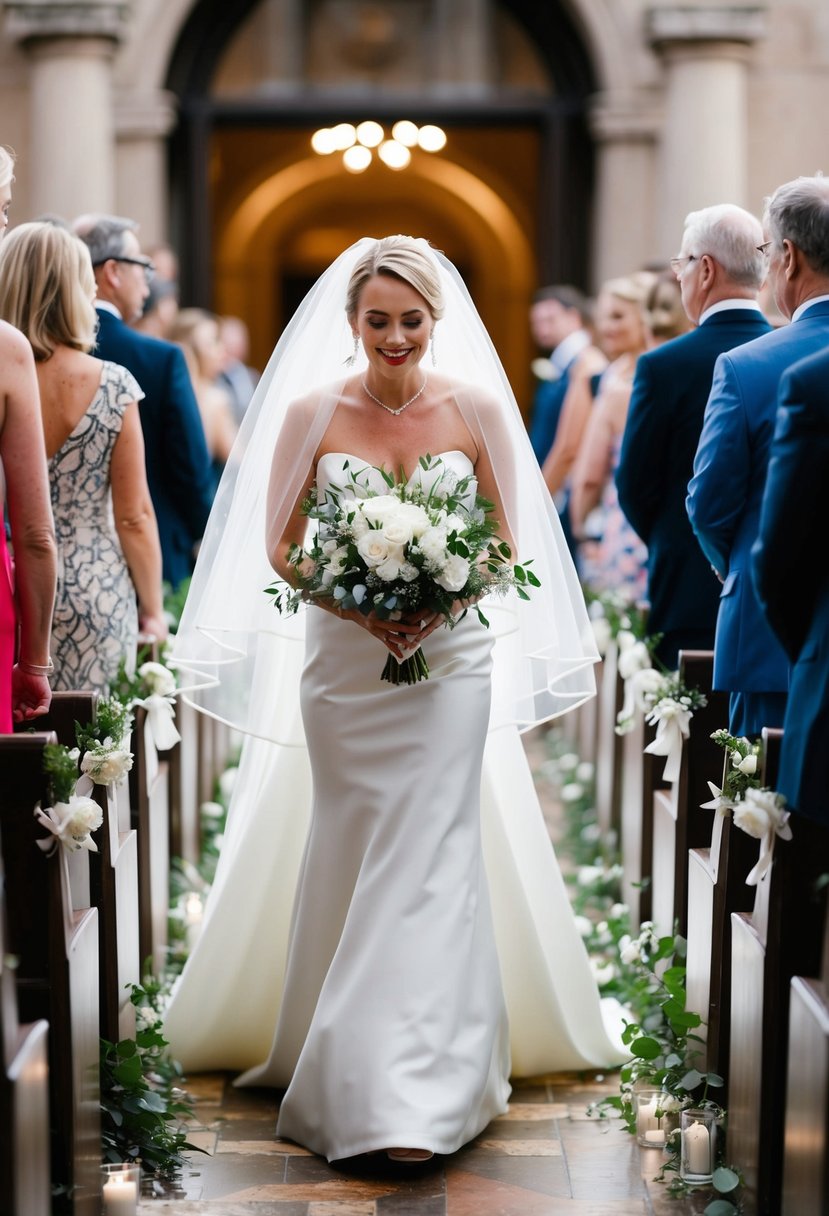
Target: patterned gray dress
point(95, 621)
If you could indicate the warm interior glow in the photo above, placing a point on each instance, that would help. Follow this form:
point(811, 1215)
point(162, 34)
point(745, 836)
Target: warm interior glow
point(344, 134)
point(394, 154)
point(322, 141)
point(357, 158)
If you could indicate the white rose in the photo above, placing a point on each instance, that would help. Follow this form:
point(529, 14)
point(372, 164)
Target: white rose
point(572, 791)
point(104, 767)
point(585, 771)
point(329, 546)
point(373, 548)
point(389, 569)
point(568, 762)
point(432, 544)
point(158, 678)
point(358, 526)
point(81, 815)
point(584, 925)
point(744, 764)
point(633, 658)
point(397, 531)
point(454, 523)
point(752, 818)
point(601, 633)
point(454, 574)
point(413, 517)
point(380, 508)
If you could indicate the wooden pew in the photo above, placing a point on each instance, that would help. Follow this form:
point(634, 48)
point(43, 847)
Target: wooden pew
point(609, 744)
point(716, 888)
point(56, 943)
point(781, 937)
point(113, 879)
point(641, 777)
point(24, 1097)
point(806, 1137)
point(678, 822)
point(149, 807)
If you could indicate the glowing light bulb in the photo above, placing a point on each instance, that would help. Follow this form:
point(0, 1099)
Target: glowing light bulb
point(405, 132)
point(394, 154)
point(370, 133)
point(322, 141)
point(344, 134)
point(431, 138)
point(357, 158)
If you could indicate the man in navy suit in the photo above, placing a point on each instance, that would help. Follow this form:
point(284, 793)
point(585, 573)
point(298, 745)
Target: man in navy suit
point(726, 492)
point(558, 320)
point(792, 578)
point(670, 391)
point(178, 465)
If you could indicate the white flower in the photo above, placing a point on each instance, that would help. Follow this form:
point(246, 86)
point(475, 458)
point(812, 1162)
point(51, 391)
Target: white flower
point(601, 633)
point(603, 972)
point(618, 911)
point(432, 544)
point(373, 548)
point(745, 764)
point(227, 781)
point(336, 560)
point(212, 810)
point(454, 523)
point(380, 507)
point(752, 818)
point(358, 526)
point(389, 569)
point(587, 875)
point(568, 762)
point(629, 951)
point(760, 811)
point(454, 574)
point(572, 791)
point(107, 764)
point(583, 925)
point(590, 833)
point(625, 639)
point(408, 572)
point(159, 679)
point(70, 823)
point(584, 772)
point(634, 657)
point(81, 815)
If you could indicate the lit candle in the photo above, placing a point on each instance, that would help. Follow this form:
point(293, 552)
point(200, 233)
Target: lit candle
point(120, 1196)
point(697, 1150)
point(647, 1116)
point(193, 915)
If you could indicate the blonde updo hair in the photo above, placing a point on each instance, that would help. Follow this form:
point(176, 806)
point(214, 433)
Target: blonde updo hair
point(6, 166)
point(399, 257)
point(631, 287)
point(46, 288)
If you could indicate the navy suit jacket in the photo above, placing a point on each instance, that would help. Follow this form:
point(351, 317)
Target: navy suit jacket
point(792, 577)
point(726, 492)
point(664, 421)
point(546, 411)
point(178, 464)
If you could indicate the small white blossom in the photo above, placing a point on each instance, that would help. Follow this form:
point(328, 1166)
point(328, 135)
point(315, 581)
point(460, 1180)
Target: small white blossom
point(455, 573)
point(572, 791)
point(585, 771)
point(584, 925)
point(744, 764)
point(159, 680)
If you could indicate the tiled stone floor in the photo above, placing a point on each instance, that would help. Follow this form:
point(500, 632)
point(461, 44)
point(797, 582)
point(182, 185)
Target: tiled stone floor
point(545, 1157)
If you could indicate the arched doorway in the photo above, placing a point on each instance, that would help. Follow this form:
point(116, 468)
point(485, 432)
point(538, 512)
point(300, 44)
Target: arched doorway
point(508, 199)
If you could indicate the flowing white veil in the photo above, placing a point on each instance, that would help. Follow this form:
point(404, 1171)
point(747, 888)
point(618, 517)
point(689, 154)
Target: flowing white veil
point(240, 660)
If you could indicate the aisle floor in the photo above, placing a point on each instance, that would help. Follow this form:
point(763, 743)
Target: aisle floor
point(545, 1157)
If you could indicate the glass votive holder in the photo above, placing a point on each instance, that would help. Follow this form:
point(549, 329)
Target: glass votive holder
point(698, 1145)
point(121, 1186)
point(650, 1128)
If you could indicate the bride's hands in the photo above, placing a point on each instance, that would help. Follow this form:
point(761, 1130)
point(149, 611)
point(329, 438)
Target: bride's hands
point(400, 637)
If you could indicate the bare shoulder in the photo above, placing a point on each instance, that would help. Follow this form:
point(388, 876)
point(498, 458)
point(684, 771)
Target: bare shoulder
point(486, 402)
point(588, 363)
point(15, 345)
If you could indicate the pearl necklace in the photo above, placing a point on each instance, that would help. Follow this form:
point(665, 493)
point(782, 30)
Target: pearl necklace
point(388, 408)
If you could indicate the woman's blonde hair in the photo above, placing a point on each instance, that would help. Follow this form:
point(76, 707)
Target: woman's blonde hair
point(400, 257)
point(183, 331)
point(46, 288)
point(6, 166)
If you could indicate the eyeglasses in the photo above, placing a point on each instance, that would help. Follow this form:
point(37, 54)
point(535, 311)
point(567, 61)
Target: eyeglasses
point(679, 264)
point(765, 248)
point(147, 265)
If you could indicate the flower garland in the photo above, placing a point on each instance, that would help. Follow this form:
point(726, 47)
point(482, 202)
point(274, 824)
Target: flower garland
point(756, 809)
point(72, 815)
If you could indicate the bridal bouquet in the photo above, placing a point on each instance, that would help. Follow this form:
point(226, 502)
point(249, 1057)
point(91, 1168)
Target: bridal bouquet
point(417, 548)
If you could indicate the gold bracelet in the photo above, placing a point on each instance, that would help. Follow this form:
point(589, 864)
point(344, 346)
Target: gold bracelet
point(36, 669)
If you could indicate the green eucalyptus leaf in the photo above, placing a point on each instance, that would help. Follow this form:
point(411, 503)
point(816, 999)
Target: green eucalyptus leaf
point(725, 1180)
point(720, 1207)
point(646, 1048)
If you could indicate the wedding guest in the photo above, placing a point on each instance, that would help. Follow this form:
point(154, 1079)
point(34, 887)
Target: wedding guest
point(616, 560)
point(719, 271)
point(197, 333)
point(730, 467)
point(160, 309)
point(236, 375)
point(559, 321)
point(27, 590)
point(106, 530)
point(178, 464)
point(665, 317)
point(792, 581)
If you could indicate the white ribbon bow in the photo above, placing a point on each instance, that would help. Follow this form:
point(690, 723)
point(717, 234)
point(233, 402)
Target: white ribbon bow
point(61, 818)
point(672, 727)
point(160, 732)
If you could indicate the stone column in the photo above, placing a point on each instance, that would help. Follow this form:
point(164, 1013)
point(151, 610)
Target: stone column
point(704, 156)
point(142, 123)
point(625, 128)
point(71, 156)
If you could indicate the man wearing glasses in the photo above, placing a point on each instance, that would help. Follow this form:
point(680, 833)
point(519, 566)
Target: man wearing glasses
point(726, 491)
point(720, 274)
point(178, 465)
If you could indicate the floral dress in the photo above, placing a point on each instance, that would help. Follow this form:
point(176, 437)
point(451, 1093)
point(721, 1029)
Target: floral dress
point(95, 622)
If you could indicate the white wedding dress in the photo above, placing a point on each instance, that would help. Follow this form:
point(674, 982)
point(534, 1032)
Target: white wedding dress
point(362, 969)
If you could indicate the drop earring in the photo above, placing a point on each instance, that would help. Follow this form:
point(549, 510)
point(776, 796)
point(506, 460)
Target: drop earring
point(432, 344)
point(352, 357)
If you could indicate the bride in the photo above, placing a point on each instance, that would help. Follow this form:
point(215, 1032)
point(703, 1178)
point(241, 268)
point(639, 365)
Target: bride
point(357, 952)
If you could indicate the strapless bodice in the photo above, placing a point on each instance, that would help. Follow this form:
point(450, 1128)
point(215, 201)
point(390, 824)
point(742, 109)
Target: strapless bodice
point(338, 468)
